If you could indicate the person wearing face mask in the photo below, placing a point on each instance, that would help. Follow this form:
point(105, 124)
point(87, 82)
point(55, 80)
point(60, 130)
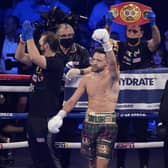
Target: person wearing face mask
point(135, 53)
point(44, 100)
point(76, 56)
point(73, 53)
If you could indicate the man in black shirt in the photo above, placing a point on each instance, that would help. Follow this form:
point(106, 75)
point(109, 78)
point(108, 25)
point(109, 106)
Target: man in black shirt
point(69, 49)
point(136, 54)
point(75, 56)
point(44, 101)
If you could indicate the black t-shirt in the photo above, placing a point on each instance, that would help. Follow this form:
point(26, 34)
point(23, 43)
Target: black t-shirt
point(136, 57)
point(44, 100)
point(78, 54)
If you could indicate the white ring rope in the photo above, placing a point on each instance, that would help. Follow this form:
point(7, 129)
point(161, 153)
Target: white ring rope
point(25, 89)
point(10, 78)
point(77, 145)
point(13, 145)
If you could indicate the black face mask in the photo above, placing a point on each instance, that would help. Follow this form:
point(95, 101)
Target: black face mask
point(132, 41)
point(66, 43)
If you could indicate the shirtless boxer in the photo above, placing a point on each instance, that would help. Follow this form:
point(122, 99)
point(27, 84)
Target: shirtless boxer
point(102, 87)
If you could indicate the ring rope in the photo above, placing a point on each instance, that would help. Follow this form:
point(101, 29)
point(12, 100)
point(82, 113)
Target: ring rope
point(77, 145)
point(15, 77)
point(73, 145)
point(70, 115)
point(25, 115)
point(19, 89)
point(125, 145)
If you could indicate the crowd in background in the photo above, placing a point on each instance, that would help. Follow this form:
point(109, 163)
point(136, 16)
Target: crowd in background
point(31, 10)
point(87, 17)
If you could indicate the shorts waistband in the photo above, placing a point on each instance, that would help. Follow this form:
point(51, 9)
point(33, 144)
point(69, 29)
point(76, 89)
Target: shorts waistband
point(101, 117)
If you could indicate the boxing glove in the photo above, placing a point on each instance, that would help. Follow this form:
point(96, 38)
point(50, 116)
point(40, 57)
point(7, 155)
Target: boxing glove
point(56, 122)
point(27, 30)
point(102, 36)
point(72, 73)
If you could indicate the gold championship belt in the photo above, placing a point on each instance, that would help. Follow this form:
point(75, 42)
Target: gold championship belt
point(129, 13)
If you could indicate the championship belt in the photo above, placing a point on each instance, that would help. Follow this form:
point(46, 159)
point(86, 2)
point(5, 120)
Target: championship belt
point(129, 13)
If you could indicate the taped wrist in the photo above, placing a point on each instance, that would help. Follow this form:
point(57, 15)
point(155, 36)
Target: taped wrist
point(107, 46)
point(62, 113)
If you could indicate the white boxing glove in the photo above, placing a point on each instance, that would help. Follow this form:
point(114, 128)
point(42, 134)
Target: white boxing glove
point(56, 122)
point(102, 36)
point(72, 73)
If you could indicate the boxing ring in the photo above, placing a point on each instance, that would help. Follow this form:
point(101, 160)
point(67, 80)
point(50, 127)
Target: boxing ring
point(72, 145)
point(6, 80)
point(140, 80)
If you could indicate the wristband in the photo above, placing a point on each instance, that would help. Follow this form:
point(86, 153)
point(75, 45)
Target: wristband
point(107, 47)
point(62, 113)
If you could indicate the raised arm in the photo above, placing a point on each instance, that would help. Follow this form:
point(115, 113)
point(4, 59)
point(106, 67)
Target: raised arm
point(34, 54)
point(155, 40)
point(102, 36)
point(20, 54)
